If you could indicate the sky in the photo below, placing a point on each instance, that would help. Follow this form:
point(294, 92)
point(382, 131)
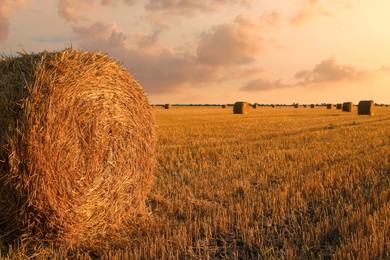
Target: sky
point(220, 51)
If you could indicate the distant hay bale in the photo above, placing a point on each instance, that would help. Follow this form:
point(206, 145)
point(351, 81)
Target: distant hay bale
point(272, 105)
point(77, 146)
point(329, 106)
point(167, 106)
point(304, 106)
point(348, 107)
point(224, 106)
point(296, 105)
point(366, 107)
point(339, 106)
point(312, 105)
point(255, 105)
point(241, 107)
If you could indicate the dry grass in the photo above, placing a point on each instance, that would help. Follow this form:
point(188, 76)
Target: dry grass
point(68, 173)
point(277, 183)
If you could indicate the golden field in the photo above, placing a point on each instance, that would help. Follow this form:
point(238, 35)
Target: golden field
point(277, 183)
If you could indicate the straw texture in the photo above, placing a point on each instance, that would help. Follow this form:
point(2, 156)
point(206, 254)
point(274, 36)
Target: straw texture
point(77, 148)
point(241, 107)
point(366, 107)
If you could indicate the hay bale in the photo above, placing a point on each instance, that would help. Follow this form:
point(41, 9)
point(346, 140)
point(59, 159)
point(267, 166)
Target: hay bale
point(224, 106)
point(77, 145)
point(241, 107)
point(339, 106)
point(347, 106)
point(167, 106)
point(312, 105)
point(329, 106)
point(296, 105)
point(366, 107)
point(255, 105)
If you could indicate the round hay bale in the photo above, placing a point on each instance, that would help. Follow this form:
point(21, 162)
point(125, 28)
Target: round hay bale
point(312, 106)
point(255, 105)
point(224, 106)
point(347, 106)
point(329, 106)
point(167, 106)
point(296, 105)
point(339, 106)
point(366, 107)
point(241, 107)
point(77, 149)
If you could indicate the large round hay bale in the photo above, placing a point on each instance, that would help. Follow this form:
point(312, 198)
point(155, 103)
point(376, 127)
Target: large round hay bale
point(241, 107)
point(77, 145)
point(339, 106)
point(329, 106)
point(312, 105)
point(255, 105)
point(366, 107)
point(347, 106)
point(167, 106)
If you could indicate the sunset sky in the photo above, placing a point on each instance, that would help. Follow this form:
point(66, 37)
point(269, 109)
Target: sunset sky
point(220, 51)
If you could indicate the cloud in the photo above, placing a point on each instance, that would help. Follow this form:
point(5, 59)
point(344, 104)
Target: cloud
point(271, 19)
point(76, 10)
point(160, 70)
point(6, 6)
point(230, 43)
point(191, 7)
point(328, 71)
point(264, 85)
point(311, 9)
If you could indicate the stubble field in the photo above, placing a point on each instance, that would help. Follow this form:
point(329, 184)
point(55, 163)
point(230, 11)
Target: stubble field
point(279, 182)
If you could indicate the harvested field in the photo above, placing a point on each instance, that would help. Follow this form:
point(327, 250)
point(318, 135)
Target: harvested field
point(278, 183)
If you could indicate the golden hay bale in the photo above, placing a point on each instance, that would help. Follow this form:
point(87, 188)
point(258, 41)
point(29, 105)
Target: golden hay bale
point(255, 105)
point(296, 105)
point(77, 145)
point(329, 106)
point(167, 106)
point(339, 106)
point(241, 107)
point(312, 105)
point(224, 106)
point(366, 107)
point(347, 106)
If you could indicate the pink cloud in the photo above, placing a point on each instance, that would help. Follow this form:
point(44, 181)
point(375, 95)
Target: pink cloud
point(76, 10)
point(191, 7)
point(264, 85)
point(6, 6)
point(230, 43)
point(161, 70)
point(328, 71)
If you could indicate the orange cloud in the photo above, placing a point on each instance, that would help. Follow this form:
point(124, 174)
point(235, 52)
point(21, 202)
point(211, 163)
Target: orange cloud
point(311, 10)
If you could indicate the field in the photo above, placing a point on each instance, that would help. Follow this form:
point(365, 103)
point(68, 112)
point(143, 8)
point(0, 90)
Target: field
point(279, 183)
